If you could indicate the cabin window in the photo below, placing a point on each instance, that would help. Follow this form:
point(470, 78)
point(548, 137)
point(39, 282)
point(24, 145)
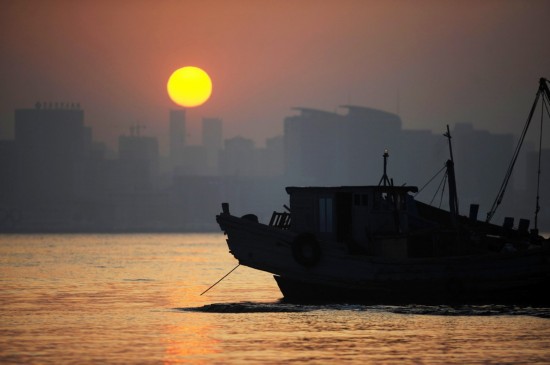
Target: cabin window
point(388, 201)
point(325, 215)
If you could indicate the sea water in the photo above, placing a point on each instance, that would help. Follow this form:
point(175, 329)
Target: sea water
point(135, 298)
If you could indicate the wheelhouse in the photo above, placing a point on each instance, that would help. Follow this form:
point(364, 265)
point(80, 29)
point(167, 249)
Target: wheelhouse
point(352, 215)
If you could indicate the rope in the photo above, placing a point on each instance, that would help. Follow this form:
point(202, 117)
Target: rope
point(504, 184)
point(439, 187)
point(216, 283)
point(429, 181)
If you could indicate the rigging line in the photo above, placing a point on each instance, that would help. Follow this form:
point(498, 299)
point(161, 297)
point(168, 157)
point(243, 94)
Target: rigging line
point(216, 283)
point(546, 102)
point(429, 181)
point(508, 174)
point(439, 187)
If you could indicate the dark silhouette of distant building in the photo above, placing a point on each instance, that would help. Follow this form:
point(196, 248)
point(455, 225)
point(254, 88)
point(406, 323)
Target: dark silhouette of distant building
point(212, 136)
point(369, 132)
point(8, 174)
point(54, 178)
point(314, 143)
point(325, 148)
point(177, 136)
point(272, 157)
point(238, 157)
point(212, 141)
point(51, 144)
point(481, 160)
point(139, 161)
point(333, 149)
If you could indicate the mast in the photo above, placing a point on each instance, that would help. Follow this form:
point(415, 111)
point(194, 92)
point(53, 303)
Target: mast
point(453, 195)
point(545, 102)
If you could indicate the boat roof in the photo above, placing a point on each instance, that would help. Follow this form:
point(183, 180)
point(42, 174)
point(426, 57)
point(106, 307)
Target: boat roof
point(351, 189)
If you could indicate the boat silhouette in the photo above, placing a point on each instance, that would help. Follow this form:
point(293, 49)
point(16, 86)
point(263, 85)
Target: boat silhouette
point(378, 244)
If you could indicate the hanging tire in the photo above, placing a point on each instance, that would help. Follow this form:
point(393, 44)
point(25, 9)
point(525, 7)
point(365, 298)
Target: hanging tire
point(306, 250)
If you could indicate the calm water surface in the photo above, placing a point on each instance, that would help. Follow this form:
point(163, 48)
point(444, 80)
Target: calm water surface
point(136, 299)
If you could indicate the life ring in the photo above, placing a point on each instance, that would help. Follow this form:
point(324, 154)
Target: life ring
point(306, 250)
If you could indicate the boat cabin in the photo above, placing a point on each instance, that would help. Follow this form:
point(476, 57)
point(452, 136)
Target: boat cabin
point(352, 215)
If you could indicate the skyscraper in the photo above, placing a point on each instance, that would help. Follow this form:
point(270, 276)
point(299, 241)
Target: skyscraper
point(212, 133)
point(212, 142)
point(177, 136)
point(51, 143)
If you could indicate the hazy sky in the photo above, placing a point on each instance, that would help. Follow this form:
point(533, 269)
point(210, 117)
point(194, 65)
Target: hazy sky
point(436, 62)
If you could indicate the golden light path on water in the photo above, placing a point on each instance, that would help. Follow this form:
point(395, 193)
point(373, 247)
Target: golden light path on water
point(135, 299)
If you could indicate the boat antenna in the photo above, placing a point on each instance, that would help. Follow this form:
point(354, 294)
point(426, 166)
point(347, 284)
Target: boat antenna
point(545, 92)
point(385, 180)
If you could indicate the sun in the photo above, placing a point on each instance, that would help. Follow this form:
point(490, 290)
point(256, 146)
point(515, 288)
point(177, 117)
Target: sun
point(189, 86)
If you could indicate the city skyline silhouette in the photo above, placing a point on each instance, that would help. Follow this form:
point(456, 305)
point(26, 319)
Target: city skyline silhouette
point(303, 93)
point(432, 63)
point(57, 178)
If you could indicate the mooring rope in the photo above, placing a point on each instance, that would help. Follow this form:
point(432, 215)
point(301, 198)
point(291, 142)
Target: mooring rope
point(216, 283)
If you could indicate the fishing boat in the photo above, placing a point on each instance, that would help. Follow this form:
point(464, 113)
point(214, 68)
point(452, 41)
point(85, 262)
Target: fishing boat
point(378, 244)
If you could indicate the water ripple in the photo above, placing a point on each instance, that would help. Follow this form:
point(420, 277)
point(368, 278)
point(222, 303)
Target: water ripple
point(434, 310)
point(246, 307)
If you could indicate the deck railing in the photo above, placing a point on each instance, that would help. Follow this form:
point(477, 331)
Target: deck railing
point(280, 220)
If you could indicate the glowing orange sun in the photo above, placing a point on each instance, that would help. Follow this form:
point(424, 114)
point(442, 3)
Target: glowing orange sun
point(189, 86)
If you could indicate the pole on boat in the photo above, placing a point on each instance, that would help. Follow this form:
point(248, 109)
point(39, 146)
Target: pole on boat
point(385, 178)
point(216, 283)
point(545, 100)
point(453, 195)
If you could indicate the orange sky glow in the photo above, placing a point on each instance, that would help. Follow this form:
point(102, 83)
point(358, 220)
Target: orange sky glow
point(434, 62)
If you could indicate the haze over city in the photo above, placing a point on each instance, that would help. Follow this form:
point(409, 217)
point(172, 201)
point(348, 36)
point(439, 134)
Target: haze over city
point(292, 93)
point(432, 62)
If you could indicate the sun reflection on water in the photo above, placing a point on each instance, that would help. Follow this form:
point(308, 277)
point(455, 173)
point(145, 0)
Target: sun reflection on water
point(136, 299)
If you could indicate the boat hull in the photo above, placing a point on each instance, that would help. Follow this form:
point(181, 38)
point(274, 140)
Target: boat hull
point(451, 292)
point(521, 277)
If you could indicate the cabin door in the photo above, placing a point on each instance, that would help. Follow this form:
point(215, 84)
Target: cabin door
point(344, 217)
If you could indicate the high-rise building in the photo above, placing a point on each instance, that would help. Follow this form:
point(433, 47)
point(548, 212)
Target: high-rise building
point(212, 141)
point(139, 161)
point(177, 136)
point(479, 171)
point(52, 142)
point(369, 133)
point(313, 147)
point(273, 163)
point(212, 133)
point(238, 158)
